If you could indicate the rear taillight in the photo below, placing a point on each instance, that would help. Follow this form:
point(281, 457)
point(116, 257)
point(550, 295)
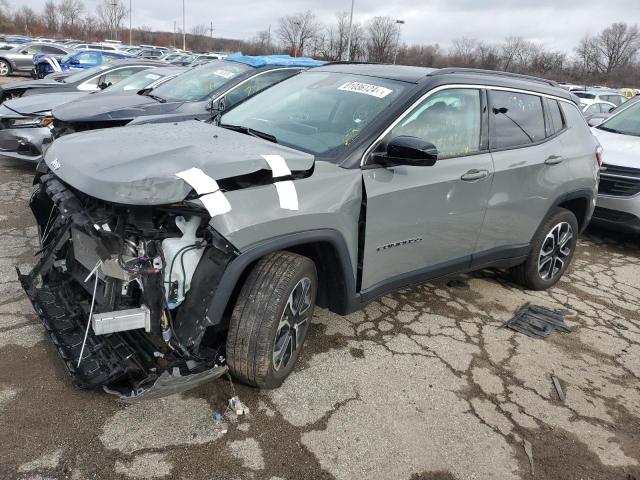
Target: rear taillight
point(599, 153)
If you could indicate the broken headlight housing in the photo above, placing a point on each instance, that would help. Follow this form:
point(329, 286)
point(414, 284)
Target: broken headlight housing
point(45, 120)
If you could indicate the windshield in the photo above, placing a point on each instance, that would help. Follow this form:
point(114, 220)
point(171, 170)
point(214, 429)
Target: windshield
point(200, 83)
point(626, 122)
point(316, 112)
point(135, 82)
point(84, 74)
point(584, 95)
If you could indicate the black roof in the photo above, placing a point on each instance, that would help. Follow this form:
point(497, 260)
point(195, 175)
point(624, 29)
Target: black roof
point(450, 75)
point(402, 73)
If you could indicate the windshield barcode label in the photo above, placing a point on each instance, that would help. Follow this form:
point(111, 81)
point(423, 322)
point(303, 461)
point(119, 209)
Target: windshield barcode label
point(366, 88)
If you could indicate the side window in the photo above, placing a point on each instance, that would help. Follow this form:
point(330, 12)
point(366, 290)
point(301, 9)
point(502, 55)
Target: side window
point(53, 50)
point(88, 58)
point(593, 108)
point(255, 85)
point(115, 76)
point(555, 114)
point(517, 119)
point(450, 119)
point(606, 108)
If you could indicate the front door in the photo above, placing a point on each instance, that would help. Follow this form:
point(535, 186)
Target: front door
point(426, 219)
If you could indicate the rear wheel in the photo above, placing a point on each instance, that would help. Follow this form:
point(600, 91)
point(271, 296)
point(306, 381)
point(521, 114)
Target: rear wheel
point(552, 249)
point(270, 320)
point(5, 68)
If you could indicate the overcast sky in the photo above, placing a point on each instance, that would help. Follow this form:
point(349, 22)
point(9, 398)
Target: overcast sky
point(559, 24)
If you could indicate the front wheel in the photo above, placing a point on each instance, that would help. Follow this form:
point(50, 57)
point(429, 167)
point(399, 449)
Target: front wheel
point(5, 68)
point(552, 249)
point(270, 320)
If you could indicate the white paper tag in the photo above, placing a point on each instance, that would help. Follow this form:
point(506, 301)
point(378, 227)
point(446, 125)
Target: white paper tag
point(277, 165)
point(287, 194)
point(366, 88)
point(200, 181)
point(211, 197)
point(224, 73)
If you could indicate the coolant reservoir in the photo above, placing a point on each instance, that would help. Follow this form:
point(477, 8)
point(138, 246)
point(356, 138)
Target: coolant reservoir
point(182, 256)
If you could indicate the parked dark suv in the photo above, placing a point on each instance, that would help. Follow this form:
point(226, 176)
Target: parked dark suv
point(173, 253)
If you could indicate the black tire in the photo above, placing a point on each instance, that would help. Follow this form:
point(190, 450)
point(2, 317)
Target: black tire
point(5, 68)
point(539, 271)
point(258, 316)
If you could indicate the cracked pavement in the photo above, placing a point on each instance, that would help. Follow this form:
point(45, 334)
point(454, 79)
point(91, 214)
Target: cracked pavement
point(422, 384)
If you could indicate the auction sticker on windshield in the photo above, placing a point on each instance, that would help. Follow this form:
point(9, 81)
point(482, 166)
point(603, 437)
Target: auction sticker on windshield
point(224, 73)
point(366, 88)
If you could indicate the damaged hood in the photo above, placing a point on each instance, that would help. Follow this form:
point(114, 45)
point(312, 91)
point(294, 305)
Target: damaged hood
point(100, 108)
point(35, 104)
point(137, 165)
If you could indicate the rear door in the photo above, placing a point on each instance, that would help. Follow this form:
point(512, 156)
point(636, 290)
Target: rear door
point(530, 172)
point(426, 219)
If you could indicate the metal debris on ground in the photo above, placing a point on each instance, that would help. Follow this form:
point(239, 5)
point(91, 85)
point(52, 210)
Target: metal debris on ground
point(528, 449)
point(618, 325)
point(538, 322)
point(457, 283)
point(558, 387)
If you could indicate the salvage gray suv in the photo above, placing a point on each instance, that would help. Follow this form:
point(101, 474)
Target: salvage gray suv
point(174, 253)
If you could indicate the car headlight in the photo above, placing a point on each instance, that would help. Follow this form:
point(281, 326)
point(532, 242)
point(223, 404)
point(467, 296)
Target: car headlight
point(32, 122)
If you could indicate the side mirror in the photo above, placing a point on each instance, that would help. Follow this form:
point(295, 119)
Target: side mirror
point(103, 85)
point(406, 150)
point(217, 107)
point(594, 122)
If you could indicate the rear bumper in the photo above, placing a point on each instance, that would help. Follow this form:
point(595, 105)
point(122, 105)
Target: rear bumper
point(28, 144)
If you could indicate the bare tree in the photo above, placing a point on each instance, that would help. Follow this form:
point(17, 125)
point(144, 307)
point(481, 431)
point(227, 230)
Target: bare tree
point(199, 40)
point(616, 46)
point(464, 52)
point(70, 11)
point(297, 31)
point(382, 35)
point(111, 13)
point(50, 16)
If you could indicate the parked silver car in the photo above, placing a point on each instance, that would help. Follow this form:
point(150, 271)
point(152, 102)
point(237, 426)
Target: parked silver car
point(20, 58)
point(618, 205)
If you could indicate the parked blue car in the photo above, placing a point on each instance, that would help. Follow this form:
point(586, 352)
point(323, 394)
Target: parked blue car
point(43, 65)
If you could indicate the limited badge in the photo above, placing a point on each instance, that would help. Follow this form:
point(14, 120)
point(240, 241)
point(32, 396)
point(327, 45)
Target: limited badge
point(55, 165)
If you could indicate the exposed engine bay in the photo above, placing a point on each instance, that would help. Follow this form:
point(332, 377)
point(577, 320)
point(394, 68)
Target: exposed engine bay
point(122, 290)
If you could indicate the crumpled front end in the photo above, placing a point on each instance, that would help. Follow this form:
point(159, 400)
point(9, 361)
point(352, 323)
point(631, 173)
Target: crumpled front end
point(112, 287)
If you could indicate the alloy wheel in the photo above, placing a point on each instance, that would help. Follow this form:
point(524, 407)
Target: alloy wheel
point(4, 69)
point(555, 251)
point(293, 324)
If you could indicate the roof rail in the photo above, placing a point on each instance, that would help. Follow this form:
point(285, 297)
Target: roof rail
point(478, 71)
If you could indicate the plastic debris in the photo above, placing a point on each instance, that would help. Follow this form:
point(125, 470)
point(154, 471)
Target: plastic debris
point(618, 325)
point(538, 322)
point(217, 417)
point(528, 449)
point(237, 406)
point(558, 387)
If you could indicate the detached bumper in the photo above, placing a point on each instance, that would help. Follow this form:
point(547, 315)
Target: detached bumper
point(28, 144)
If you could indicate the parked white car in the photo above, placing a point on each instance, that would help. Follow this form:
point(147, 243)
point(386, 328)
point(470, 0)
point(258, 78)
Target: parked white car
point(618, 203)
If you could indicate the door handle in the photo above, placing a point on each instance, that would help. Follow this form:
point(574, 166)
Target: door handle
point(473, 175)
point(553, 160)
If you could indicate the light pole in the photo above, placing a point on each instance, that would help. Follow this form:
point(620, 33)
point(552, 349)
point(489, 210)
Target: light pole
point(395, 55)
point(130, 36)
point(184, 30)
point(295, 39)
point(350, 32)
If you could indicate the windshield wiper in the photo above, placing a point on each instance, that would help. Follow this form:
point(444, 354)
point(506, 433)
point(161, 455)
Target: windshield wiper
point(607, 129)
point(250, 131)
point(156, 97)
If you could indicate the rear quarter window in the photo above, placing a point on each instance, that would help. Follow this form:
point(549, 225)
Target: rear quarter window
point(516, 119)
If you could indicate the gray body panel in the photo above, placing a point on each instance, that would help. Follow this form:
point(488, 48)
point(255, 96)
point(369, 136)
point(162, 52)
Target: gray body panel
point(328, 199)
point(118, 170)
point(40, 103)
point(431, 208)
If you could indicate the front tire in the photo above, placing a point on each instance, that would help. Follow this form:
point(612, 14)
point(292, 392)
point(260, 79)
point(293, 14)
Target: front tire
point(271, 318)
point(5, 68)
point(552, 249)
